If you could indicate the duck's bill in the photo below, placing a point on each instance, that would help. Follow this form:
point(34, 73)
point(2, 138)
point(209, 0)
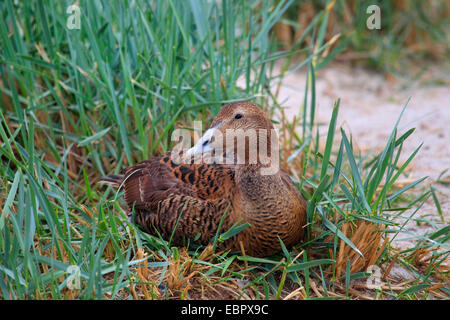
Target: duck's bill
point(204, 144)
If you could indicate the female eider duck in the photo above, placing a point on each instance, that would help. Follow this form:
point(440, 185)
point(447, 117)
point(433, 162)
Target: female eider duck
point(176, 192)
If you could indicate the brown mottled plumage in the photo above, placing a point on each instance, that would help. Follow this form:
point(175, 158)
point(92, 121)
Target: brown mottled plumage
point(161, 189)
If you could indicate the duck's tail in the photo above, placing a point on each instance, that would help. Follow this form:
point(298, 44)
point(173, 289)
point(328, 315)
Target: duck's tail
point(112, 180)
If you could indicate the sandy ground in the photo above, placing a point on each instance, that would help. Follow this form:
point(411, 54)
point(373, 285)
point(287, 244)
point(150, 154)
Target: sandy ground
point(370, 106)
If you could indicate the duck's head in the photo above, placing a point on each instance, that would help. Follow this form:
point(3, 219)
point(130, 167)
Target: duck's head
point(241, 115)
point(242, 129)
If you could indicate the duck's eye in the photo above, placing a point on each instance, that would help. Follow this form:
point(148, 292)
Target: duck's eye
point(238, 116)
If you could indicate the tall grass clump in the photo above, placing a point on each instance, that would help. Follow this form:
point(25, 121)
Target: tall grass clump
point(79, 103)
point(410, 31)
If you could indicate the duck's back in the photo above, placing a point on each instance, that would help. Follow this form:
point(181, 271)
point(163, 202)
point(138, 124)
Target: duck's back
point(175, 199)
